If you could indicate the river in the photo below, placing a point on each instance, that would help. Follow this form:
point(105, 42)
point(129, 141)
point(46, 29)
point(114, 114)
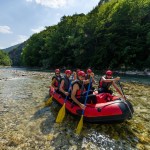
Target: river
point(24, 126)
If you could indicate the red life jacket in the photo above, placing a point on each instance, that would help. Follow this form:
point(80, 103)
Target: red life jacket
point(57, 82)
point(103, 84)
point(81, 88)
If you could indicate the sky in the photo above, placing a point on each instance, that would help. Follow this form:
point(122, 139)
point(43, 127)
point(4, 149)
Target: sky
point(19, 19)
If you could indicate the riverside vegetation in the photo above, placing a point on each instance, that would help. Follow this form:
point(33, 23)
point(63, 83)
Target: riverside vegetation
point(115, 34)
point(4, 59)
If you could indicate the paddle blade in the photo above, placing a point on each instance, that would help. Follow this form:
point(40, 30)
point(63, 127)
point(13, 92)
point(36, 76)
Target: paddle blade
point(61, 114)
point(49, 101)
point(80, 125)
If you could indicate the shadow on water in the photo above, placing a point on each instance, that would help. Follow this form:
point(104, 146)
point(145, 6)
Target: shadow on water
point(42, 112)
point(47, 126)
point(49, 114)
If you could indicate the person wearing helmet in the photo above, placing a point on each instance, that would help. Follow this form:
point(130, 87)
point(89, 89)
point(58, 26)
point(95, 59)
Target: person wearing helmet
point(65, 83)
point(56, 80)
point(88, 73)
point(106, 81)
point(75, 72)
point(78, 89)
point(87, 77)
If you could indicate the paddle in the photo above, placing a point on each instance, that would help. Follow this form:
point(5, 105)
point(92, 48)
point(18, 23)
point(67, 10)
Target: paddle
point(121, 89)
point(62, 111)
point(80, 124)
point(49, 101)
point(46, 103)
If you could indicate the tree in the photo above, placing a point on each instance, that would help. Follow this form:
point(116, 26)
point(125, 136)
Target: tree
point(4, 59)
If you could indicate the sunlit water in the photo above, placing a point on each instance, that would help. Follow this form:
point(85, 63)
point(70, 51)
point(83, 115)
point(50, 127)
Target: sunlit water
point(25, 126)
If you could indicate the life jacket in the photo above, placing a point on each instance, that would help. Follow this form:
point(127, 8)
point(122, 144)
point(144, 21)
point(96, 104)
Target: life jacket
point(103, 84)
point(57, 82)
point(66, 83)
point(81, 88)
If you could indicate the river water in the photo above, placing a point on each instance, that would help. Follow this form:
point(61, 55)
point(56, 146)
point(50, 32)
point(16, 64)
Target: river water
point(24, 126)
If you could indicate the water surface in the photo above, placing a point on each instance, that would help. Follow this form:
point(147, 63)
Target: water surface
point(25, 126)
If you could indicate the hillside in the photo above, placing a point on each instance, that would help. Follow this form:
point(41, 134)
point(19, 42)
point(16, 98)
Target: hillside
point(115, 34)
point(15, 55)
point(10, 48)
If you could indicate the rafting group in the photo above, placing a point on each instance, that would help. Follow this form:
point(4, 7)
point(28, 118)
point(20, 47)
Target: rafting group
point(76, 93)
point(75, 85)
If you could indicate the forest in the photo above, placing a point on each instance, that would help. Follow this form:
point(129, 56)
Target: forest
point(115, 34)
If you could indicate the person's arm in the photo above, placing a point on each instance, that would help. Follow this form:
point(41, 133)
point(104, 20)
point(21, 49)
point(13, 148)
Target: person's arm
point(52, 84)
point(73, 93)
point(118, 90)
point(110, 80)
point(61, 88)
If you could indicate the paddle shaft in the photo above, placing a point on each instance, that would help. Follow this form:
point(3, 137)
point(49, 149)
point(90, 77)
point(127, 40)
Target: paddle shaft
point(62, 112)
point(87, 94)
point(80, 124)
point(121, 88)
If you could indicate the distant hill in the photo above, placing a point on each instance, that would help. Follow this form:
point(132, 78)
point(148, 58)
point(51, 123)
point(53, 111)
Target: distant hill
point(10, 48)
point(15, 54)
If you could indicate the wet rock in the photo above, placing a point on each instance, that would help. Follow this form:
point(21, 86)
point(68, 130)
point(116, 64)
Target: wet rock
point(140, 146)
point(72, 142)
point(64, 147)
point(74, 147)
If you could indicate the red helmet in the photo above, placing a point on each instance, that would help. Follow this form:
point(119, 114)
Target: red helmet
point(57, 70)
point(68, 72)
point(109, 72)
point(81, 73)
point(89, 71)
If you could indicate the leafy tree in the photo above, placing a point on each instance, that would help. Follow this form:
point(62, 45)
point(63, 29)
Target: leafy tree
point(4, 59)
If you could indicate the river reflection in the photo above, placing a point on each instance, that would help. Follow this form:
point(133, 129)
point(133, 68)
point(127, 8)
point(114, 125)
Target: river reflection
point(25, 126)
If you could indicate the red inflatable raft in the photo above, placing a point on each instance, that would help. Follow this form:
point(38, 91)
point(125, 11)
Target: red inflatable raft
point(108, 109)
